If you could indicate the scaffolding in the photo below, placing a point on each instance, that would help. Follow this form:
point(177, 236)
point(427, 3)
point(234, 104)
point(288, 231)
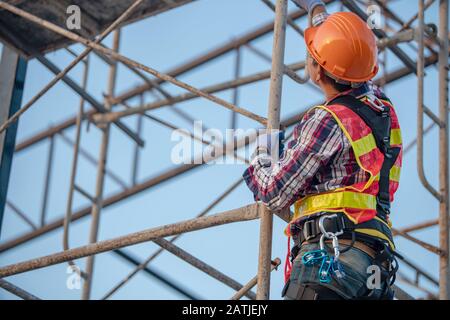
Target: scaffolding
point(106, 114)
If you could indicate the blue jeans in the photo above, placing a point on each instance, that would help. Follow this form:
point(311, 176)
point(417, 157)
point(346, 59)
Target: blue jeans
point(353, 285)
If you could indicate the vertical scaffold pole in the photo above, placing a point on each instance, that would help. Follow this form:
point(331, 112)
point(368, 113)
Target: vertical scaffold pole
point(444, 282)
point(97, 205)
point(276, 81)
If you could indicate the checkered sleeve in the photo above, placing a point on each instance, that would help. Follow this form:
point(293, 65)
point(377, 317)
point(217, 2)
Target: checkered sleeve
point(316, 139)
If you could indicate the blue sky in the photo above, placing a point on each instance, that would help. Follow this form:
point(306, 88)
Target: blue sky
point(164, 42)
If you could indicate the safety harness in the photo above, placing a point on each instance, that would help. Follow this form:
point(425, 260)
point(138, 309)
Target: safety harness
point(380, 124)
point(359, 212)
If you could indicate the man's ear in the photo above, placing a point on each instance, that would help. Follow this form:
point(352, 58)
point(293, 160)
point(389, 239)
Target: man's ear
point(320, 74)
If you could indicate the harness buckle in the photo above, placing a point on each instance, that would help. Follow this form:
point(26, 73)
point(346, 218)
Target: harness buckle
point(387, 146)
point(309, 231)
point(384, 205)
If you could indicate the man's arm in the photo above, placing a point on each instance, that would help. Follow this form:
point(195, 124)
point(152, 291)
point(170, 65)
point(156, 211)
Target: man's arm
point(278, 185)
point(318, 10)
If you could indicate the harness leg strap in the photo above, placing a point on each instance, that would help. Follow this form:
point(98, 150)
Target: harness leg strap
point(295, 291)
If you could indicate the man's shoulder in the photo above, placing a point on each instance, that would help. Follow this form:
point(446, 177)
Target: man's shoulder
point(317, 116)
point(317, 112)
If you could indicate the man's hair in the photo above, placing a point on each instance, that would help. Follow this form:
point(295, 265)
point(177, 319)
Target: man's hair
point(338, 86)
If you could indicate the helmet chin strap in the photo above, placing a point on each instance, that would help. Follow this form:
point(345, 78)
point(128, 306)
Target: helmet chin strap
point(354, 85)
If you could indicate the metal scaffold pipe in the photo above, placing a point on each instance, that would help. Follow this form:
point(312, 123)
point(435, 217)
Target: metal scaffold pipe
point(17, 291)
point(238, 295)
point(100, 183)
point(74, 168)
point(273, 123)
point(247, 213)
point(444, 273)
point(197, 263)
point(420, 103)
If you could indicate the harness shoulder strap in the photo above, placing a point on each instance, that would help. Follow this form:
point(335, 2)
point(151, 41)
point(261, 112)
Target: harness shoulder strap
point(378, 121)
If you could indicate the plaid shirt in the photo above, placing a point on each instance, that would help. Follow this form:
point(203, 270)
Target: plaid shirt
point(317, 159)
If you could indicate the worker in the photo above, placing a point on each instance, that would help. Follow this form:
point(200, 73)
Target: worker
point(340, 170)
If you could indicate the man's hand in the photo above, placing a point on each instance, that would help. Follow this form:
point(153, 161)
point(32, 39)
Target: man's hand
point(309, 5)
point(270, 143)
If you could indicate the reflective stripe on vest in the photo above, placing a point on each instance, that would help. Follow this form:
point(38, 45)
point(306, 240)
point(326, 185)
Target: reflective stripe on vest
point(337, 200)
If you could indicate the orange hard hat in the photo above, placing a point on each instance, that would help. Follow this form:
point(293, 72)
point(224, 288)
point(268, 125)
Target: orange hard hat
point(345, 47)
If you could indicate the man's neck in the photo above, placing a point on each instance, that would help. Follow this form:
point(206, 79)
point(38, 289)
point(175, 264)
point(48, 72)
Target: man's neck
point(330, 93)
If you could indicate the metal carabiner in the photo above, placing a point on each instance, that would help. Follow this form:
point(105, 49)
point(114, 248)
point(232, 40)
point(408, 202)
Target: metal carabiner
point(327, 234)
point(336, 249)
point(313, 257)
point(330, 235)
point(322, 242)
